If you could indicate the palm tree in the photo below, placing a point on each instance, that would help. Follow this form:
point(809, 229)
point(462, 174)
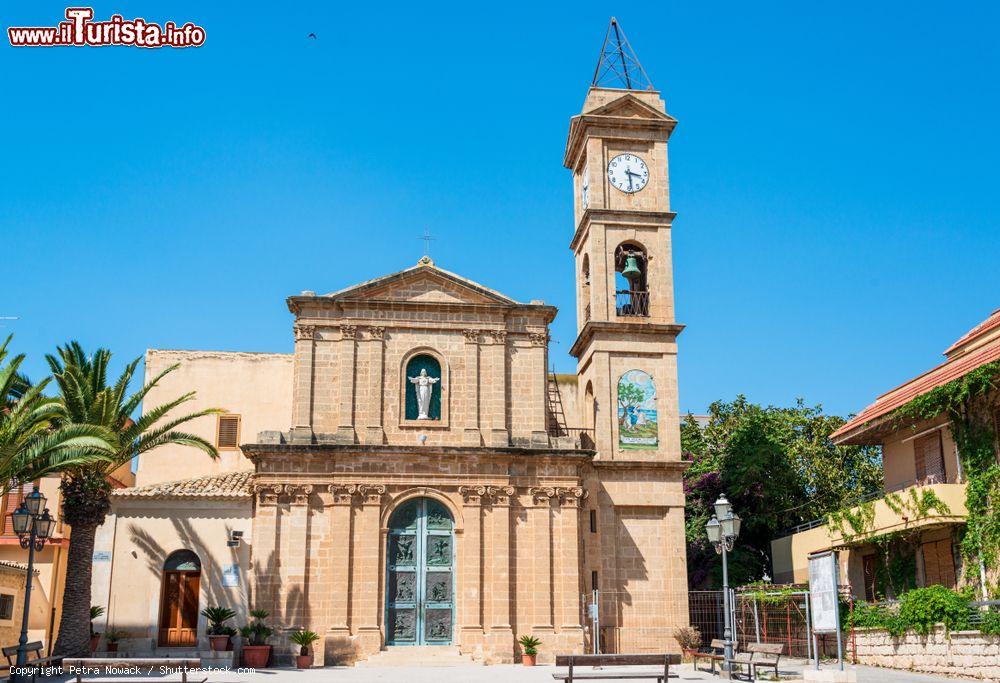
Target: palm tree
point(31, 446)
point(87, 398)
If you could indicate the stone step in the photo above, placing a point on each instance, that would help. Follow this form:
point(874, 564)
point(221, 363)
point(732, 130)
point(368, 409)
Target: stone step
point(418, 655)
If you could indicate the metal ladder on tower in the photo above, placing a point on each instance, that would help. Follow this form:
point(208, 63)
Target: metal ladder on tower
point(557, 418)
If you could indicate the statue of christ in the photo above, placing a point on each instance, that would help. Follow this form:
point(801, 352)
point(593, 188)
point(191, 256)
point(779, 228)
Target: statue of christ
point(424, 386)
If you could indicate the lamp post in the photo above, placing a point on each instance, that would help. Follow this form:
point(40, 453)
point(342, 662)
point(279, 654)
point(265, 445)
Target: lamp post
point(33, 525)
point(722, 531)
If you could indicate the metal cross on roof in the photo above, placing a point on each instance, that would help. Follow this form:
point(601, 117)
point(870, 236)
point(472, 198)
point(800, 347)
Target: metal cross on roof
point(618, 66)
point(426, 237)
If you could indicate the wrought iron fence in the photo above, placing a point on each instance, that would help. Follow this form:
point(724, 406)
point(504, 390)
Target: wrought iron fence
point(631, 302)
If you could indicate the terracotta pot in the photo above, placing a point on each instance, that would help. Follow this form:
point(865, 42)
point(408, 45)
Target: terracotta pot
point(528, 660)
point(219, 643)
point(256, 656)
point(303, 661)
point(689, 653)
point(95, 640)
point(112, 647)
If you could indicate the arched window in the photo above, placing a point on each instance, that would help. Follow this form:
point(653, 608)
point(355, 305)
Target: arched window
point(423, 388)
point(631, 284)
point(179, 600)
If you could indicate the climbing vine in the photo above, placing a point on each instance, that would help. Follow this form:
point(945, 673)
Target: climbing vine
point(967, 403)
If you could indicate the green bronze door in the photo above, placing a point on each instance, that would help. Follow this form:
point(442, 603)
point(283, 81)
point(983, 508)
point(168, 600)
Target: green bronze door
point(420, 579)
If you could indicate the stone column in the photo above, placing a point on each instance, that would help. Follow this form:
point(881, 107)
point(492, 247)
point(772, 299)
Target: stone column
point(337, 645)
point(472, 436)
point(500, 637)
point(366, 582)
point(470, 577)
point(302, 383)
point(347, 356)
point(294, 557)
point(265, 553)
point(374, 433)
point(540, 520)
point(494, 391)
point(539, 392)
point(568, 565)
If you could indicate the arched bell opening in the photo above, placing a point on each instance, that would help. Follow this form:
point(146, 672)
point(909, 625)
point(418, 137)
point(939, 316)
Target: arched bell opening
point(585, 287)
point(631, 280)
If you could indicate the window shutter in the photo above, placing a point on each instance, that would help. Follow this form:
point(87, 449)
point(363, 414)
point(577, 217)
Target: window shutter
point(229, 431)
point(10, 503)
point(929, 458)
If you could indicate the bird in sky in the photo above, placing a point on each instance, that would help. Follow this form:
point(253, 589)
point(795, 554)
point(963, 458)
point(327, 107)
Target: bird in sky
point(311, 35)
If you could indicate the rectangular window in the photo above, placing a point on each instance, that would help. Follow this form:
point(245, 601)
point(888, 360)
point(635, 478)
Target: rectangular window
point(593, 580)
point(229, 432)
point(929, 459)
point(6, 606)
point(593, 521)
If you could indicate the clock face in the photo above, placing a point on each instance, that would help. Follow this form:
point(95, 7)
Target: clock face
point(628, 173)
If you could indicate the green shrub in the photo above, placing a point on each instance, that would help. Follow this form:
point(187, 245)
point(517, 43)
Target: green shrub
point(921, 608)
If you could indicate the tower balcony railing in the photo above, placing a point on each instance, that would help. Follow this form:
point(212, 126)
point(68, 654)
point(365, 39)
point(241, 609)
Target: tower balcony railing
point(631, 302)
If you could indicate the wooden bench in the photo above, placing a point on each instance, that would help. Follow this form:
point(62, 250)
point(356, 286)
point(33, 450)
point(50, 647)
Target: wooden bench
point(34, 663)
point(571, 661)
point(764, 655)
point(79, 667)
point(715, 653)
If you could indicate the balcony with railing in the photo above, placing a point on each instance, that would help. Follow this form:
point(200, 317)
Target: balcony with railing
point(631, 303)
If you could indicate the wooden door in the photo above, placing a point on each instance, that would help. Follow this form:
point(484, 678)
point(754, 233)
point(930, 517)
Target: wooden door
point(870, 564)
point(179, 609)
point(939, 563)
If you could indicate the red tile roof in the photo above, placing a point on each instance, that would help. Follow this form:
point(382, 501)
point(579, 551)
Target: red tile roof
point(953, 368)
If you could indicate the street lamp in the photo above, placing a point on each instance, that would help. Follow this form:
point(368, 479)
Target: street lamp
point(33, 528)
point(722, 531)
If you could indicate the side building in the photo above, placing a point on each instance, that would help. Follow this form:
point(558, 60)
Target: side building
point(909, 533)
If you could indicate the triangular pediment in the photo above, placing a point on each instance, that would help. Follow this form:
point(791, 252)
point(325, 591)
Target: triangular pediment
point(424, 283)
point(630, 106)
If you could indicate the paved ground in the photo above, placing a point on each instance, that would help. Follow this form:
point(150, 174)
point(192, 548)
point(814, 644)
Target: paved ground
point(486, 674)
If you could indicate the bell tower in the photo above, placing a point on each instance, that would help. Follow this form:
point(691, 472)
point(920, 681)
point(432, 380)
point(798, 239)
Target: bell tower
point(626, 333)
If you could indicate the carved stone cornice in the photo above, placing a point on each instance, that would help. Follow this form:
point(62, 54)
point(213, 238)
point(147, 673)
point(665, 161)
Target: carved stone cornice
point(471, 336)
point(304, 332)
point(371, 494)
point(499, 336)
point(376, 332)
point(299, 493)
point(474, 495)
point(349, 331)
point(571, 496)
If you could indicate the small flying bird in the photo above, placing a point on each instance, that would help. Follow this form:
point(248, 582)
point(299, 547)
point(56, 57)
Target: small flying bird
point(311, 35)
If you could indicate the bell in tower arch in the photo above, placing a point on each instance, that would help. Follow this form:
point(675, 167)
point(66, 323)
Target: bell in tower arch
point(631, 271)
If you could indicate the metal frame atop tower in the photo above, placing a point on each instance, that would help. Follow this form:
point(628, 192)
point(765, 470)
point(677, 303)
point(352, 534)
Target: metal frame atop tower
point(618, 65)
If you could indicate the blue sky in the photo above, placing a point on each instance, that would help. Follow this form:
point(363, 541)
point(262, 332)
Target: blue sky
point(834, 174)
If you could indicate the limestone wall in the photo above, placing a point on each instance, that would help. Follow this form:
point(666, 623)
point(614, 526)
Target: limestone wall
point(970, 654)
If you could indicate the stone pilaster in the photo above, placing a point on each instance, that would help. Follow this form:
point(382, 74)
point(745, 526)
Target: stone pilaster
point(494, 390)
point(294, 594)
point(540, 523)
point(347, 355)
point(470, 574)
point(337, 642)
point(374, 432)
point(472, 436)
point(302, 383)
point(265, 554)
point(366, 599)
point(567, 567)
point(500, 636)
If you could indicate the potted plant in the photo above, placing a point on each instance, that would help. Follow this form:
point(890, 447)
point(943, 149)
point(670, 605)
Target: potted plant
point(218, 633)
point(112, 637)
point(256, 651)
point(689, 638)
point(96, 612)
point(304, 639)
point(530, 646)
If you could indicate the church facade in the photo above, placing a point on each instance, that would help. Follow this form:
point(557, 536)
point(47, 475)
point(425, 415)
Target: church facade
point(413, 475)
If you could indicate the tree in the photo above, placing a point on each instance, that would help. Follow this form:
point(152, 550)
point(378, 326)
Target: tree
point(30, 445)
point(778, 467)
point(87, 398)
